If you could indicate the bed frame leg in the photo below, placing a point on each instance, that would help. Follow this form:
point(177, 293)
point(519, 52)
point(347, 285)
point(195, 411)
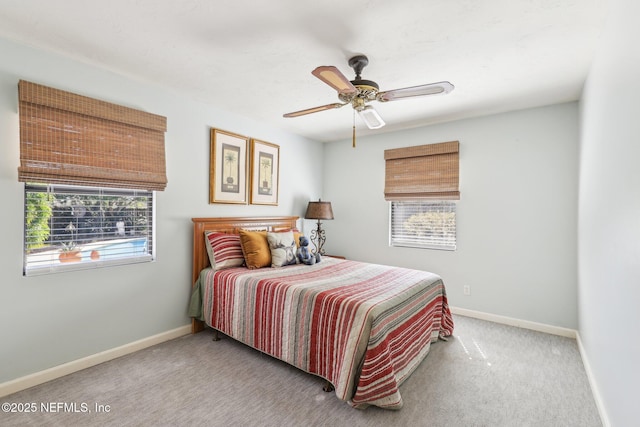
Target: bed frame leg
point(327, 387)
point(216, 337)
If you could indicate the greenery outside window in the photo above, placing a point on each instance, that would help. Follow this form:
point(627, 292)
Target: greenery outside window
point(70, 228)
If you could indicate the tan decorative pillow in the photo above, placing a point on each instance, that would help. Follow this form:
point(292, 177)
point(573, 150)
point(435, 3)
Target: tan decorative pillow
point(255, 248)
point(296, 236)
point(283, 248)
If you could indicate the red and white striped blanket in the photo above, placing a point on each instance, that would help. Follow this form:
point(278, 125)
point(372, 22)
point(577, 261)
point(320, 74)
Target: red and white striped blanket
point(364, 327)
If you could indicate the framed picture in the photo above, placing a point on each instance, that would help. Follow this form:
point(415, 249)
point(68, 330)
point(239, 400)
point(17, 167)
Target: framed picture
point(265, 172)
point(228, 167)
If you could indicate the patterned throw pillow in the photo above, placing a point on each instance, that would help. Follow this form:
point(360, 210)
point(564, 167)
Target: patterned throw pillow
point(283, 248)
point(296, 233)
point(224, 250)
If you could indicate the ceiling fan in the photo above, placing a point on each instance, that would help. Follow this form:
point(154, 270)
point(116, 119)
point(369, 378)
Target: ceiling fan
point(359, 92)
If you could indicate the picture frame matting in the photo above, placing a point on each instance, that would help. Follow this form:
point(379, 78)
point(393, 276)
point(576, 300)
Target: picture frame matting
point(228, 167)
point(265, 172)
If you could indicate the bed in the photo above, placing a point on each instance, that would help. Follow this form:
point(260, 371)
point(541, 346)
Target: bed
point(362, 327)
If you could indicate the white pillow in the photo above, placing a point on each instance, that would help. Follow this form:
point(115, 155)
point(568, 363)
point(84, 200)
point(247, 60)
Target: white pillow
point(283, 248)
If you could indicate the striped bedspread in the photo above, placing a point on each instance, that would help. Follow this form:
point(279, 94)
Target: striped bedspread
point(364, 327)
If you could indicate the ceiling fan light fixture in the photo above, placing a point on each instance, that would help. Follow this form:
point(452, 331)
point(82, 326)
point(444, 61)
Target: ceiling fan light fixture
point(371, 117)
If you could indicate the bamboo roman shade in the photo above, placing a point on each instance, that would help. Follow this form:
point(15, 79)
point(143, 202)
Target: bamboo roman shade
point(72, 139)
point(422, 172)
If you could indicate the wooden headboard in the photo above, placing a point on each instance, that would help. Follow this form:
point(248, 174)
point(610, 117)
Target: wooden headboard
point(231, 225)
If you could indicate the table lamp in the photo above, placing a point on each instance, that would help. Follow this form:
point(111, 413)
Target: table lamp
point(319, 210)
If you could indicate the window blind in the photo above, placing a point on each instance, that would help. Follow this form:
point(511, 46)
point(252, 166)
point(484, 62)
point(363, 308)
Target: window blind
point(423, 224)
point(422, 172)
point(72, 228)
point(72, 139)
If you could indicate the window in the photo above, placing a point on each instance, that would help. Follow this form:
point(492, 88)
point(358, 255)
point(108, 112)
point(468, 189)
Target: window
point(70, 227)
point(97, 166)
point(423, 224)
point(421, 184)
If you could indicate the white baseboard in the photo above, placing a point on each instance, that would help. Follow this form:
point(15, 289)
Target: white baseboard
point(526, 324)
point(592, 382)
point(41, 377)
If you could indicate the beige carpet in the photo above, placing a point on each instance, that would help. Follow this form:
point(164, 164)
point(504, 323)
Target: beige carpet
point(487, 375)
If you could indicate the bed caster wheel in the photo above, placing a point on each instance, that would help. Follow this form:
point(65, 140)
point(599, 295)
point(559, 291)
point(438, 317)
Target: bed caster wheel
point(327, 387)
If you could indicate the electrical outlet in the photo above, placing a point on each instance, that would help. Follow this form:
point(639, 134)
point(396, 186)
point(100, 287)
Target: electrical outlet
point(467, 290)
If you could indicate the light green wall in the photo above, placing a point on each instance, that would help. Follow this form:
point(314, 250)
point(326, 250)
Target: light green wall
point(516, 218)
point(50, 320)
point(609, 217)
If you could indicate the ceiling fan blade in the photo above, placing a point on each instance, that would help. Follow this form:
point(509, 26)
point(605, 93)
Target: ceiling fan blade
point(413, 91)
point(313, 110)
point(334, 78)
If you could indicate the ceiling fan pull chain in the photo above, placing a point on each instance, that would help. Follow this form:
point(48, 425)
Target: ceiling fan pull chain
point(354, 136)
point(354, 128)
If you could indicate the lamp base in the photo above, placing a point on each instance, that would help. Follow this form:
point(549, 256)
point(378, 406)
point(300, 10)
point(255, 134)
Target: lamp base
point(318, 238)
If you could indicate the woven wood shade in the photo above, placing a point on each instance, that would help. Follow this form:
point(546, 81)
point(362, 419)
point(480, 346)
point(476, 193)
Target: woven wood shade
point(72, 139)
point(422, 172)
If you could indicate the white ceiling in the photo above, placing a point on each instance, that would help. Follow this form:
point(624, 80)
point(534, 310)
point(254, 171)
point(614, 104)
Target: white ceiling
point(255, 57)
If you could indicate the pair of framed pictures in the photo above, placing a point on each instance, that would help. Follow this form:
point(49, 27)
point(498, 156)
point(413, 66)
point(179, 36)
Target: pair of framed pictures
point(231, 157)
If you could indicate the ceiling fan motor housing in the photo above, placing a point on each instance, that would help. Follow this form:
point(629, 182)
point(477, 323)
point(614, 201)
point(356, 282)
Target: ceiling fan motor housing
point(367, 89)
point(358, 62)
